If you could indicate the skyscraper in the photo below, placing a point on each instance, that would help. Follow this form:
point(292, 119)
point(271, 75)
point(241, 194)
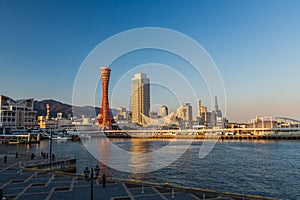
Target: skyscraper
point(185, 112)
point(199, 107)
point(216, 104)
point(140, 101)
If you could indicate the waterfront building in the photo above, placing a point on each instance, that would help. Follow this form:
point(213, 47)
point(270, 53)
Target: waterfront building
point(16, 114)
point(185, 112)
point(185, 115)
point(263, 122)
point(140, 100)
point(163, 111)
point(122, 115)
point(47, 124)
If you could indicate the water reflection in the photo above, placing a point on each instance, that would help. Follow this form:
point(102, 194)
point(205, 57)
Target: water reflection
point(139, 160)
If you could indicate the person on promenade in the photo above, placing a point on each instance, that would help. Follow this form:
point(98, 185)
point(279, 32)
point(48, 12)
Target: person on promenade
point(5, 159)
point(53, 156)
point(103, 180)
point(1, 195)
point(17, 154)
point(32, 156)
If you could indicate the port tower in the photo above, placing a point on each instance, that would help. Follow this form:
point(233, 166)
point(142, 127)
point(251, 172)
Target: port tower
point(104, 117)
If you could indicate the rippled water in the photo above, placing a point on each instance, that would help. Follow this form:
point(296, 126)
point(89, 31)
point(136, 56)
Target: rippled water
point(266, 168)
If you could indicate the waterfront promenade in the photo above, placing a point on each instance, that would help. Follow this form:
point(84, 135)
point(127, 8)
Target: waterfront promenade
point(16, 183)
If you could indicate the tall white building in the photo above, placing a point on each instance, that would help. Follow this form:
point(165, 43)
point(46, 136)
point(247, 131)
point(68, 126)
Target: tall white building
point(140, 101)
point(16, 114)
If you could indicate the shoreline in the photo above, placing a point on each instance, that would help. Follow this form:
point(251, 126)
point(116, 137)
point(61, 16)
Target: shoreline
point(214, 137)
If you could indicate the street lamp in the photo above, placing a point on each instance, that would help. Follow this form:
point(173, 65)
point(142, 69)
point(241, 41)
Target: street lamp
point(89, 176)
point(50, 147)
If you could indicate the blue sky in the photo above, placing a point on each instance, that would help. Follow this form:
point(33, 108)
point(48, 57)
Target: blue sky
point(254, 43)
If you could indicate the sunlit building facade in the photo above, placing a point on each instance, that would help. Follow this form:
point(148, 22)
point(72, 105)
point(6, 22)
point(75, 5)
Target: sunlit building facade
point(140, 101)
point(16, 114)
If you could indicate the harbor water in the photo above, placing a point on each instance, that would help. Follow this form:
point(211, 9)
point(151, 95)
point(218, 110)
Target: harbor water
point(254, 167)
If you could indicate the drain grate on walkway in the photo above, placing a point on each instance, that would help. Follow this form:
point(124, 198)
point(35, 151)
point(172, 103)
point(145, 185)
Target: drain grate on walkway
point(38, 185)
point(61, 189)
point(121, 198)
point(132, 185)
point(163, 190)
point(18, 181)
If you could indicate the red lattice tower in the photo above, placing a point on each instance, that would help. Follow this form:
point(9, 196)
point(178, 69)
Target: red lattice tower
point(104, 118)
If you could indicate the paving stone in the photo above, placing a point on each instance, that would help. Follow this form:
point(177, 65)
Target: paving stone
point(138, 191)
point(149, 197)
point(34, 197)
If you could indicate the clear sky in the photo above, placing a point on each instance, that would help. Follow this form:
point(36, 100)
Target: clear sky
point(254, 43)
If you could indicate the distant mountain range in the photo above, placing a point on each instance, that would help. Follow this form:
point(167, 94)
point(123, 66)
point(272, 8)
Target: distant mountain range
point(66, 109)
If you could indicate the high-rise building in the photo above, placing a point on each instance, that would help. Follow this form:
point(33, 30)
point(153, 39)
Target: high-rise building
point(203, 111)
point(199, 108)
point(140, 101)
point(185, 112)
point(163, 111)
point(104, 118)
point(216, 104)
point(185, 116)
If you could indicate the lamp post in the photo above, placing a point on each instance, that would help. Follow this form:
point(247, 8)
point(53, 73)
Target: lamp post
point(89, 176)
point(50, 147)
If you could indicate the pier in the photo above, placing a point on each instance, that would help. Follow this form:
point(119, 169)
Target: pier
point(19, 138)
point(224, 134)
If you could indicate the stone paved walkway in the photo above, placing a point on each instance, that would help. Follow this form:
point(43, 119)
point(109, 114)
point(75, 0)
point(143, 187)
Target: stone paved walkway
point(19, 184)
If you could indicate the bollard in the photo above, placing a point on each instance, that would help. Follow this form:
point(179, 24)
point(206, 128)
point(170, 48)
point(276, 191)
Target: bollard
point(142, 189)
point(173, 194)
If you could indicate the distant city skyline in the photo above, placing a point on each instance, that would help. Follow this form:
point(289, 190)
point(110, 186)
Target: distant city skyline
point(255, 45)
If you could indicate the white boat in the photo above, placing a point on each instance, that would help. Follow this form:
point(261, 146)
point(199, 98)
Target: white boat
point(61, 138)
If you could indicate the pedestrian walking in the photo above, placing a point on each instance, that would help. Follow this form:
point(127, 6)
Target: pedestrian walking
point(5, 159)
point(103, 180)
point(1, 195)
point(17, 154)
point(32, 156)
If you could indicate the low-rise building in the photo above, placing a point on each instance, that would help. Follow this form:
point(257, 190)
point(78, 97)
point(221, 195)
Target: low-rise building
point(16, 114)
